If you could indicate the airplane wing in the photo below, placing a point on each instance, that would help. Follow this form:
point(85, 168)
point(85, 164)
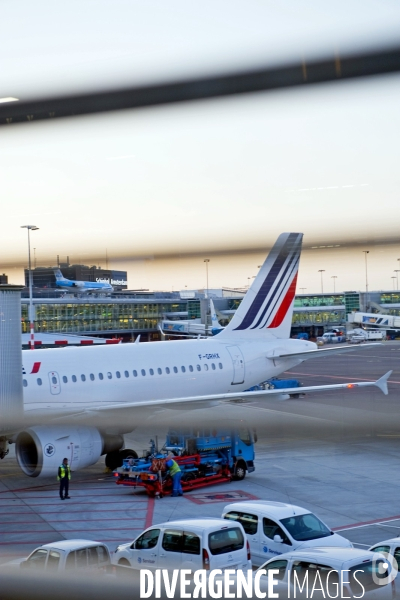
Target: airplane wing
point(321, 353)
point(210, 400)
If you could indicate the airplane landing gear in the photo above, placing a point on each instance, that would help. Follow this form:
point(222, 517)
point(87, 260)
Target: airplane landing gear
point(4, 449)
point(114, 459)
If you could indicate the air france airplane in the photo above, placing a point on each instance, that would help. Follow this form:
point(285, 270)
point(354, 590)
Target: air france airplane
point(82, 286)
point(79, 402)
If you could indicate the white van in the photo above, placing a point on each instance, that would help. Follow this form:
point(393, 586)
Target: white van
point(188, 544)
point(273, 528)
point(391, 548)
point(68, 554)
point(359, 573)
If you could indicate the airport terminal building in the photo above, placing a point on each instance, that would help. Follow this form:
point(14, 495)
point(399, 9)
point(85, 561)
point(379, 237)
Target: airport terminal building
point(126, 314)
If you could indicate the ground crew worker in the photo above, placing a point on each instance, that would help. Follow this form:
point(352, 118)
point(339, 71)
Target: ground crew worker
point(176, 474)
point(64, 475)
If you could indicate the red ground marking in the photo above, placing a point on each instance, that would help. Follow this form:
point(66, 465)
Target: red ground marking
point(55, 485)
point(364, 523)
point(56, 512)
point(40, 543)
point(19, 491)
point(57, 520)
point(211, 497)
point(71, 503)
point(70, 531)
point(150, 511)
point(31, 490)
point(76, 495)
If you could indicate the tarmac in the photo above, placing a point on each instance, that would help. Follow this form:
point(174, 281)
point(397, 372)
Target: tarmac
point(334, 453)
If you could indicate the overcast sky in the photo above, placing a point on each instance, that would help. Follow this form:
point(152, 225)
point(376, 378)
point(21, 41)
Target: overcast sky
point(161, 189)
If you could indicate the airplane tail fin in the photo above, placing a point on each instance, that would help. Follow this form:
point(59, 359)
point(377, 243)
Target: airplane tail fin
point(59, 275)
point(267, 308)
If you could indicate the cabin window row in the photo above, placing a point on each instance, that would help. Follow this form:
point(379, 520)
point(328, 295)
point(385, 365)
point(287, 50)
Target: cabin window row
point(135, 373)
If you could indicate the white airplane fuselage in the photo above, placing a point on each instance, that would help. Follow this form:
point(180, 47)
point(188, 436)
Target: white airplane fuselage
point(78, 402)
point(84, 378)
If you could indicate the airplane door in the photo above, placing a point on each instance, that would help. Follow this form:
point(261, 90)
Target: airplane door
point(238, 364)
point(54, 380)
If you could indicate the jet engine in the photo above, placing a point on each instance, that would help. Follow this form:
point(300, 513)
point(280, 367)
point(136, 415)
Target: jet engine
point(40, 450)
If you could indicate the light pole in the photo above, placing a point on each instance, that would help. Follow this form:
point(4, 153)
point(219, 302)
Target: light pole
point(322, 282)
point(393, 277)
point(334, 277)
point(397, 271)
point(31, 320)
point(207, 260)
point(366, 252)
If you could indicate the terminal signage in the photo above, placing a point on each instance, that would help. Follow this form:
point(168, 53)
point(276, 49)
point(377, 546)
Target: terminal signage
point(119, 282)
point(113, 281)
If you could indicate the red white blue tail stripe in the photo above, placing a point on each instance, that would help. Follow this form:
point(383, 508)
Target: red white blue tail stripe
point(268, 304)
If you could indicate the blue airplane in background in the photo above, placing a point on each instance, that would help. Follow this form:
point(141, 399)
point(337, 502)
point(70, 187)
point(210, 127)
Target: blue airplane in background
point(215, 326)
point(82, 286)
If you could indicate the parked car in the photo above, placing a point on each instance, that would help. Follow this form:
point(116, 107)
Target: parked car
point(188, 544)
point(332, 338)
point(68, 555)
point(340, 572)
point(392, 547)
point(273, 528)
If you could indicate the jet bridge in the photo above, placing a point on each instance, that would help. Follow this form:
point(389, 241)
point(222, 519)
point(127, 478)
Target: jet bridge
point(371, 320)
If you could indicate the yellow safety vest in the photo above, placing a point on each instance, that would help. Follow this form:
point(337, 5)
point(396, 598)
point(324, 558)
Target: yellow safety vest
point(64, 471)
point(174, 469)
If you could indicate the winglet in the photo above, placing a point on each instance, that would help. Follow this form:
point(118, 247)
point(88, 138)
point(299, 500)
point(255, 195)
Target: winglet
point(382, 382)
